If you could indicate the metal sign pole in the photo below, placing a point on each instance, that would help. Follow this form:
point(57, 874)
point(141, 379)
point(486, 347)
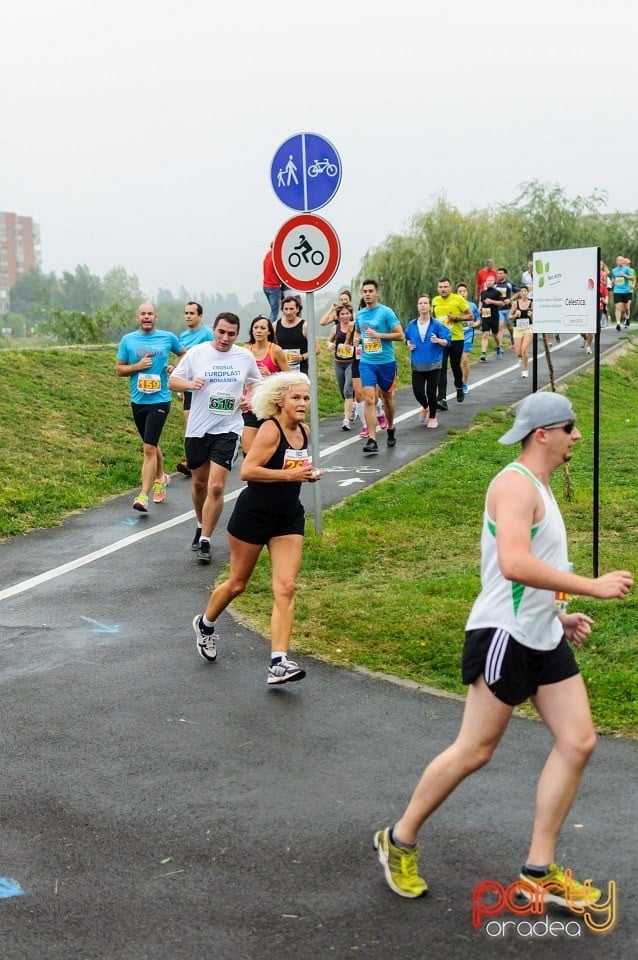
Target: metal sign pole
point(596, 439)
point(314, 405)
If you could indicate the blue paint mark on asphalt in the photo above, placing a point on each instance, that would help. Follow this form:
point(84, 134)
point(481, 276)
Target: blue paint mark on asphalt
point(102, 627)
point(130, 521)
point(9, 888)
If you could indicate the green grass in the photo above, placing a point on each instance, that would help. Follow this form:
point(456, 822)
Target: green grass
point(390, 582)
point(67, 436)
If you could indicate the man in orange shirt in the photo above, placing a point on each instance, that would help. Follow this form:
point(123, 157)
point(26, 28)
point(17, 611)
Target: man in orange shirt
point(484, 278)
point(272, 286)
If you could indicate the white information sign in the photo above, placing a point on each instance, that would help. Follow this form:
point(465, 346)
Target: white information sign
point(566, 290)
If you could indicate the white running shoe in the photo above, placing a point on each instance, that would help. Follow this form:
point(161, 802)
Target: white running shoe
point(284, 672)
point(206, 642)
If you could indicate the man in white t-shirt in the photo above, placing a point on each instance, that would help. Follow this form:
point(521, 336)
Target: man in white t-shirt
point(221, 377)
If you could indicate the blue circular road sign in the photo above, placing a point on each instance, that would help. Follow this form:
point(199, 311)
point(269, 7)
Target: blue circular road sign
point(306, 172)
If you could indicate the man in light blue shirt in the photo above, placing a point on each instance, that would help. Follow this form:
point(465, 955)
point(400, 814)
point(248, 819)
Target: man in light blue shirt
point(196, 332)
point(621, 276)
point(143, 357)
point(378, 326)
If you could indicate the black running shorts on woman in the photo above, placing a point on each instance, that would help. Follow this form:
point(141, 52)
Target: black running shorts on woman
point(267, 510)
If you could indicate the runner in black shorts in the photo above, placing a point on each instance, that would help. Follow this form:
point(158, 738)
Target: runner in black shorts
point(269, 513)
point(516, 647)
point(220, 376)
point(143, 356)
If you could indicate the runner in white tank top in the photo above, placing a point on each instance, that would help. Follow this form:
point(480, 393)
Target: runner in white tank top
point(516, 647)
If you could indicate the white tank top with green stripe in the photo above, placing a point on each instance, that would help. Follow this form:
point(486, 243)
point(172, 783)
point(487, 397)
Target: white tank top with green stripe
point(528, 614)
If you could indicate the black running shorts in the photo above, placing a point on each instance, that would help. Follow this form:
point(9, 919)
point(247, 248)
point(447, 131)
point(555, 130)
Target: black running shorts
point(490, 325)
point(219, 448)
point(150, 419)
point(255, 522)
point(512, 671)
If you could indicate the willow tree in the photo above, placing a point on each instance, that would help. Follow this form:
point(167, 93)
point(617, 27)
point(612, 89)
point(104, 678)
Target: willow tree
point(442, 241)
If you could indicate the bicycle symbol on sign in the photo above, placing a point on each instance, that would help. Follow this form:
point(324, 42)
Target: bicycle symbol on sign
point(309, 255)
point(323, 166)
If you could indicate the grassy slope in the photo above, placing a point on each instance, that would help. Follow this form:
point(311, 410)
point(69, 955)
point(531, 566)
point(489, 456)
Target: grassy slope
point(67, 441)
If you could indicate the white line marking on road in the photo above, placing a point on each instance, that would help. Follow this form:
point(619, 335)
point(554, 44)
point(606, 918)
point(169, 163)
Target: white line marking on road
point(102, 552)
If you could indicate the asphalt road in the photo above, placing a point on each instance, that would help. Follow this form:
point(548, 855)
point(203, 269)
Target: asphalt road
point(155, 806)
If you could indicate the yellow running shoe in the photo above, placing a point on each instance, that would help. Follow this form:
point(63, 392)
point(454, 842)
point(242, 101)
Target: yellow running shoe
point(400, 865)
point(559, 886)
point(159, 490)
point(141, 503)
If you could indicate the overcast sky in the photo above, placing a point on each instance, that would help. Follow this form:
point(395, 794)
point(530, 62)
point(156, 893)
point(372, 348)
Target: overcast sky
point(142, 133)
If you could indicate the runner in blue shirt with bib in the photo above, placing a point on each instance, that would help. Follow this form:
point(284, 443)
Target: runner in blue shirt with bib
point(378, 327)
point(143, 357)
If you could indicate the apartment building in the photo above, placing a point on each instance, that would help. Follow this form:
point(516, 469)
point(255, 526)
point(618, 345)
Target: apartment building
point(19, 252)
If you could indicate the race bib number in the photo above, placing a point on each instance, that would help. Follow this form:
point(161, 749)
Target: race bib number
point(294, 459)
point(372, 346)
point(561, 600)
point(620, 281)
point(222, 404)
point(486, 313)
point(291, 356)
point(149, 382)
point(345, 351)
point(522, 323)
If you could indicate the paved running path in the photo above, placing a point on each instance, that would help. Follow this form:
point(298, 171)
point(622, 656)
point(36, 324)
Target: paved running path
point(154, 806)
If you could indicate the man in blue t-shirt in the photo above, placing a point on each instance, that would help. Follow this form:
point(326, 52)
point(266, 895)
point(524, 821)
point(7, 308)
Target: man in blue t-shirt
point(621, 277)
point(196, 332)
point(143, 357)
point(378, 326)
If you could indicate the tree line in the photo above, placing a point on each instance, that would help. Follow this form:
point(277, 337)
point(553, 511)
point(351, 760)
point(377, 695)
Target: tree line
point(81, 307)
point(443, 242)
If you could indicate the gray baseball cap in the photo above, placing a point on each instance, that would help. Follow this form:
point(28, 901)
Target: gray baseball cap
point(540, 409)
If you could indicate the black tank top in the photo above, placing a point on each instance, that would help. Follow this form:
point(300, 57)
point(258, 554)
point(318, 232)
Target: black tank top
point(292, 338)
point(283, 494)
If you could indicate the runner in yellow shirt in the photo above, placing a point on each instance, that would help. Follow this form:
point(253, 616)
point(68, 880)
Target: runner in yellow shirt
point(451, 309)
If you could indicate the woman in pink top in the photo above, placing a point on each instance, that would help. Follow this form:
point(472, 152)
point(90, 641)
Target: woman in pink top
point(270, 359)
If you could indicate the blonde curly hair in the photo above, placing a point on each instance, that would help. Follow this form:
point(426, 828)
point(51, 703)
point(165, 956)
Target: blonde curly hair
point(267, 400)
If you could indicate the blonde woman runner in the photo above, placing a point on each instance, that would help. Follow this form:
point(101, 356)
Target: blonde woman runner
point(269, 513)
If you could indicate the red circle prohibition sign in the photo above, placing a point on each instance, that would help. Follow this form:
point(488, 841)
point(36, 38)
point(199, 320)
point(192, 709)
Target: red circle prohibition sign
point(310, 269)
